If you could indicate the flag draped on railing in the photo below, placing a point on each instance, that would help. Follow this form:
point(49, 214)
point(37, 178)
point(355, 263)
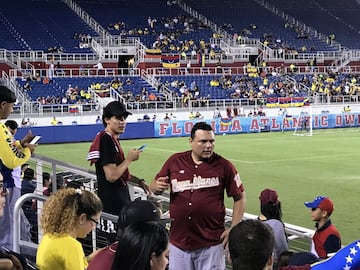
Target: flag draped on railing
point(170, 61)
point(347, 258)
point(286, 102)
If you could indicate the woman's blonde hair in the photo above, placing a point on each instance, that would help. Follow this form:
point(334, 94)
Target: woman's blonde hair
point(61, 209)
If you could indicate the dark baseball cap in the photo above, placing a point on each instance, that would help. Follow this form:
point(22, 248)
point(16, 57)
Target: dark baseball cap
point(115, 108)
point(7, 95)
point(269, 196)
point(302, 258)
point(139, 211)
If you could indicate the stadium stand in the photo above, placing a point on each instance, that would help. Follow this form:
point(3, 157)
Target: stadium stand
point(329, 17)
point(59, 86)
point(153, 19)
point(50, 26)
point(258, 22)
point(35, 33)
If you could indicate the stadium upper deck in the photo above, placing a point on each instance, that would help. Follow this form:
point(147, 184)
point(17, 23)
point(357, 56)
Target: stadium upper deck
point(44, 37)
point(53, 24)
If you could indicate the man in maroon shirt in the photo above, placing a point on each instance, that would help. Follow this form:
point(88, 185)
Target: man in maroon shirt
point(197, 180)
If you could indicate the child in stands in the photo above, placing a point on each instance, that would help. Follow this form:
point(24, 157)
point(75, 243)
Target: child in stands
point(326, 239)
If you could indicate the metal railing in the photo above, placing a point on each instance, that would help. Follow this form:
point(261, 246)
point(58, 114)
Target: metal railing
point(299, 237)
point(35, 109)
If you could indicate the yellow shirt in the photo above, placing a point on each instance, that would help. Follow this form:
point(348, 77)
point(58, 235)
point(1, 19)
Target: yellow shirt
point(54, 122)
point(12, 154)
point(60, 253)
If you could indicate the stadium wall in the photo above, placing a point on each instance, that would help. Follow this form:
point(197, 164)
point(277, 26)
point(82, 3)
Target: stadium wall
point(178, 128)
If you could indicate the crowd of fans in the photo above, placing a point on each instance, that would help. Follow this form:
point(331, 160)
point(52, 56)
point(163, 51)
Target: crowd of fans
point(172, 35)
point(259, 84)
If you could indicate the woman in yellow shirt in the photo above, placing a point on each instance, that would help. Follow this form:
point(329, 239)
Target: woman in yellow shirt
point(67, 214)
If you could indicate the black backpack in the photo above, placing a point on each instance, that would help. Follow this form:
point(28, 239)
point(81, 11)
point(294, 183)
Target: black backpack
point(25, 262)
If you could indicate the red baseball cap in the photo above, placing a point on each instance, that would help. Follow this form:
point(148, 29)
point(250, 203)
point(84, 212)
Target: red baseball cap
point(324, 203)
point(268, 196)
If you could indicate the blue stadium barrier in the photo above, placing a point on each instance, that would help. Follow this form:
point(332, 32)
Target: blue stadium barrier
point(86, 133)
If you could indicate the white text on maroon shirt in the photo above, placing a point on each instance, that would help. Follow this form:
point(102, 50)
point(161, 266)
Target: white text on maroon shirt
point(197, 183)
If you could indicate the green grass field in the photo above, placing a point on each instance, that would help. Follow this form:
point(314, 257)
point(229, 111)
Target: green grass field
point(298, 167)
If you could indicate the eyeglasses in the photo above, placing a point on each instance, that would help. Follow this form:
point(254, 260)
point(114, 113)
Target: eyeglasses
point(313, 209)
point(3, 190)
point(93, 220)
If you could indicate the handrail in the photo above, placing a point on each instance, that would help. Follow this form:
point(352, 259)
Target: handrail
point(173, 105)
point(90, 71)
point(293, 230)
point(17, 220)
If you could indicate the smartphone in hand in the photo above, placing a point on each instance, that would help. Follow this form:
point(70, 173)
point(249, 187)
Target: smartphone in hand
point(141, 148)
point(35, 140)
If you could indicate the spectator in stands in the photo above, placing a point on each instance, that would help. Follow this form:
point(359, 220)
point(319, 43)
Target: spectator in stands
point(191, 116)
point(98, 120)
point(288, 259)
point(17, 153)
point(284, 259)
point(347, 109)
point(142, 246)
point(281, 112)
point(54, 121)
point(172, 117)
point(7, 262)
point(46, 180)
point(67, 214)
point(219, 69)
point(99, 67)
point(24, 123)
point(188, 67)
point(193, 86)
point(271, 214)
point(242, 111)
point(134, 212)
point(214, 82)
point(198, 115)
point(83, 70)
point(326, 239)
point(112, 166)
point(51, 71)
point(167, 117)
point(251, 244)
point(146, 117)
point(217, 113)
point(60, 183)
point(64, 100)
point(58, 69)
point(28, 185)
point(292, 68)
point(23, 168)
point(27, 86)
point(12, 182)
point(199, 244)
